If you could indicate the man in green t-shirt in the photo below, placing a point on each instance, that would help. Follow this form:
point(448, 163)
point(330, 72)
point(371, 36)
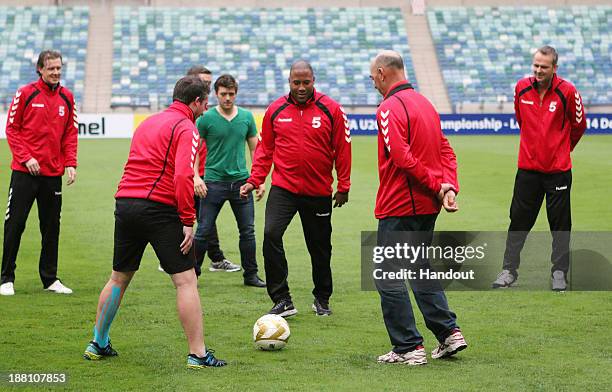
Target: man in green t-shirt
point(224, 130)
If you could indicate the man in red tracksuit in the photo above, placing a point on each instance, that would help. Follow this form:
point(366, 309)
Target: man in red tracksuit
point(305, 134)
point(215, 254)
point(155, 205)
point(552, 120)
point(418, 172)
point(42, 132)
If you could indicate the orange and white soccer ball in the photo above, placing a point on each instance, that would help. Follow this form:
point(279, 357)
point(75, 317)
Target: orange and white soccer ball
point(271, 332)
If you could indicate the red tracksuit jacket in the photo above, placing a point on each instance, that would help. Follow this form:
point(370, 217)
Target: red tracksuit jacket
point(304, 142)
point(202, 152)
point(551, 129)
point(414, 157)
point(42, 124)
point(160, 164)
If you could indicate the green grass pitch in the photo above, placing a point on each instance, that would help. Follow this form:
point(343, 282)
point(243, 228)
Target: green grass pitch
point(519, 341)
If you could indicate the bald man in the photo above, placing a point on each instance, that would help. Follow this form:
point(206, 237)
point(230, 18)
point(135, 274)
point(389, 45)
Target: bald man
point(305, 134)
point(418, 175)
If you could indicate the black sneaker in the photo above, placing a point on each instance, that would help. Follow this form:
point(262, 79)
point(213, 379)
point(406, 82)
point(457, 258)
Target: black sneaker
point(254, 281)
point(321, 308)
point(208, 360)
point(283, 308)
point(94, 352)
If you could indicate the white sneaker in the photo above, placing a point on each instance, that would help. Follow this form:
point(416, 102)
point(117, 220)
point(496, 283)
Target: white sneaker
point(559, 283)
point(58, 288)
point(7, 289)
point(415, 357)
point(224, 265)
point(505, 279)
point(159, 268)
point(454, 343)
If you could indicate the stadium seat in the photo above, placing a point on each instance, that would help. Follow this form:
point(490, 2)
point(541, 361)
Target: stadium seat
point(258, 49)
point(26, 31)
point(483, 51)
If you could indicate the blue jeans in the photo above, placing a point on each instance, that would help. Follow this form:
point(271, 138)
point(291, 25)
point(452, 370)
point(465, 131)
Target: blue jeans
point(430, 298)
point(244, 211)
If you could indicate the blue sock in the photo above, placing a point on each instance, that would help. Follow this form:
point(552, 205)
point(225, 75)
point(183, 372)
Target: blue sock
point(109, 309)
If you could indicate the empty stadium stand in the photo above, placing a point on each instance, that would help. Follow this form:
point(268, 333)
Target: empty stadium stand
point(463, 56)
point(25, 31)
point(154, 46)
point(483, 51)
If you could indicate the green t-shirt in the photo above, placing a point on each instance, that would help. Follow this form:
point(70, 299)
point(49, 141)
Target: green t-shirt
point(225, 142)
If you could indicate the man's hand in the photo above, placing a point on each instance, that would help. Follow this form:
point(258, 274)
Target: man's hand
point(199, 187)
point(340, 198)
point(188, 240)
point(259, 192)
point(449, 203)
point(33, 166)
point(445, 187)
point(71, 173)
point(246, 189)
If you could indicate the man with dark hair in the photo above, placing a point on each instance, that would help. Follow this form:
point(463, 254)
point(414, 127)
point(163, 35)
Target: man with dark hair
point(552, 119)
point(224, 130)
point(305, 134)
point(199, 70)
point(418, 175)
point(41, 131)
point(215, 254)
point(155, 205)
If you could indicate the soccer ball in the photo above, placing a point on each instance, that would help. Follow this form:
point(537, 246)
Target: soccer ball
point(271, 332)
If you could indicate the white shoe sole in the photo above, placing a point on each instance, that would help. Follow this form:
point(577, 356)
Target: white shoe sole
point(410, 362)
point(415, 362)
point(314, 309)
point(211, 269)
point(505, 286)
point(59, 292)
point(450, 350)
point(287, 313)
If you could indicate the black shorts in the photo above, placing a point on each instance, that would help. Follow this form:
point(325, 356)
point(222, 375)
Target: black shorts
point(139, 222)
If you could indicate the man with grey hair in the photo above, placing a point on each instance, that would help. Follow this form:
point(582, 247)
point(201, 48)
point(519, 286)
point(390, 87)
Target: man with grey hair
point(552, 119)
point(418, 175)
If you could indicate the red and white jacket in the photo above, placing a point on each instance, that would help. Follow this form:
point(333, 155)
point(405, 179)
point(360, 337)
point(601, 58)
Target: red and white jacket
point(160, 164)
point(42, 124)
point(304, 142)
point(414, 156)
point(550, 129)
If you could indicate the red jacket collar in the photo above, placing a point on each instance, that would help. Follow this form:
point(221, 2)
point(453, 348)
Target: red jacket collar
point(315, 96)
point(397, 87)
point(180, 107)
point(41, 85)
